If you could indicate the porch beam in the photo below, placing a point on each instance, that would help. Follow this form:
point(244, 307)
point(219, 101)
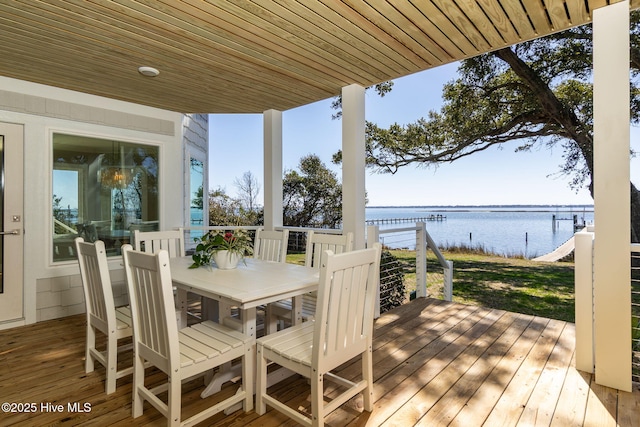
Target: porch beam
point(612, 266)
point(273, 212)
point(353, 163)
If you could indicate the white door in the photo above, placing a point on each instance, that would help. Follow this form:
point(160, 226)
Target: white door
point(11, 222)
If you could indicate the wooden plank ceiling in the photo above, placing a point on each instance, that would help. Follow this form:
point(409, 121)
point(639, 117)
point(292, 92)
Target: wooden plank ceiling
point(241, 56)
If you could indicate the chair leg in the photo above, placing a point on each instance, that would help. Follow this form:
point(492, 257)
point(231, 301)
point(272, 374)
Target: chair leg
point(317, 399)
point(112, 363)
point(138, 384)
point(91, 344)
point(175, 401)
point(261, 386)
point(248, 362)
point(367, 375)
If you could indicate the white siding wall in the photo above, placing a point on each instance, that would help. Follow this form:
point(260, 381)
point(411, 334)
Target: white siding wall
point(54, 290)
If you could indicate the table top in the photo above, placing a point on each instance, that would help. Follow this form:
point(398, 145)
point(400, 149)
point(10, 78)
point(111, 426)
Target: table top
point(254, 282)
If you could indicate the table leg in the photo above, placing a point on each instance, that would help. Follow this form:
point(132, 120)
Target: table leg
point(181, 308)
point(210, 310)
point(296, 310)
point(228, 372)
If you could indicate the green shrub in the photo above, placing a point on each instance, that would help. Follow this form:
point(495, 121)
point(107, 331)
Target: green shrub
point(392, 288)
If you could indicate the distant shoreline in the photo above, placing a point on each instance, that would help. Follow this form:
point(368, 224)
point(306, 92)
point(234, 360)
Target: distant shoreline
point(489, 208)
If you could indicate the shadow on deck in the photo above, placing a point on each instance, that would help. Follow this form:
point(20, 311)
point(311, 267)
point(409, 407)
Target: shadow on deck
point(435, 363)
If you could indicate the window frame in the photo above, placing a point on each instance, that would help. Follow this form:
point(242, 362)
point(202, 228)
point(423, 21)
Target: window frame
point(157, 145)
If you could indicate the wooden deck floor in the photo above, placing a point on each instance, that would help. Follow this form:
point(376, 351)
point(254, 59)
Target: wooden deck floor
point(435, 363)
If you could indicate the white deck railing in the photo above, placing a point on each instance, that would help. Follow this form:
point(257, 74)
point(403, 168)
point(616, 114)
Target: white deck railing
point(423, 242)
point(584, 312)
point(421, 238)
point(584, 304)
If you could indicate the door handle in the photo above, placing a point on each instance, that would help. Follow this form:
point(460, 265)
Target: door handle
point(12, 232)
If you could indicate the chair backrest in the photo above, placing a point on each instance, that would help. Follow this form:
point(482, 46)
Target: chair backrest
point(317, 243)
point(155, 331)
point(96, 284)
point(152, 241)
point(271, 245)
point(88, 232)
point(344, 311)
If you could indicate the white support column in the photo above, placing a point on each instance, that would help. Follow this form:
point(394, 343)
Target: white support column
point(583, 291)
point(272, 169)
point(353, 163)
point(612, 266)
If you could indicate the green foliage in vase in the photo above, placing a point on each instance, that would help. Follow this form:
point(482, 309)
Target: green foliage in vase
point(236, 241)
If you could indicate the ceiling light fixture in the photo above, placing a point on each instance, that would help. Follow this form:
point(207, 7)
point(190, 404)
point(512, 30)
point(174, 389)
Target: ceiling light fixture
point(148, 71)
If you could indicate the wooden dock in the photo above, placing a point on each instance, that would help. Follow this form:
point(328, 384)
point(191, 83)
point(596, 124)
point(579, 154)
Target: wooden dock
point(428, 218)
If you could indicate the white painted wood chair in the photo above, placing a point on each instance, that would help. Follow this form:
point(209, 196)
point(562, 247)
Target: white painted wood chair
point(102, 314)
point(267, 246)
point(173, 242)
point(152, 241)
point(342, 330)
point(270, 246)
point(317, 244)
point(183, 354)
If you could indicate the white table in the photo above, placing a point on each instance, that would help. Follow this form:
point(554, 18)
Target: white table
point(253, 283)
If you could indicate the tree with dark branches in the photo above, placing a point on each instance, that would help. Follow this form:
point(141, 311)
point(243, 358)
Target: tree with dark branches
point(537, 93)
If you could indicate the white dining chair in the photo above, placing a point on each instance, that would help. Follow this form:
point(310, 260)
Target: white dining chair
point(152, 241)
point(181, 354)
point(271, 245)
point(317, 244)
point(102, 314)
point(173, 242)
point(341, 330)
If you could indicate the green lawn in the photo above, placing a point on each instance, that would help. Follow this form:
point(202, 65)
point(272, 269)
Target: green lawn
point(512, 284)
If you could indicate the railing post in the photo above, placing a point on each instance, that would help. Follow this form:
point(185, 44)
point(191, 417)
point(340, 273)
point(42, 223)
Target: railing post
point(447, 290)
point(421, 260)
point(583, 259)
point(373, 236)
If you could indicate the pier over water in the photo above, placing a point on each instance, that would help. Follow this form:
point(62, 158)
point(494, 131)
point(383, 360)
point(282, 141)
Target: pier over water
point(381, 221)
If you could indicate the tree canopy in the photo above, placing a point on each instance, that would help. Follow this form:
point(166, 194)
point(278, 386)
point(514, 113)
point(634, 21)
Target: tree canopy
point(537, 93)
point(312, 196)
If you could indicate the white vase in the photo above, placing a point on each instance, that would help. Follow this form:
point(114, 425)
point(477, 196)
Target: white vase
point(226, 260)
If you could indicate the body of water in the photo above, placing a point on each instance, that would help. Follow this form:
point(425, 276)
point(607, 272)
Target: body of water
point(505, 230)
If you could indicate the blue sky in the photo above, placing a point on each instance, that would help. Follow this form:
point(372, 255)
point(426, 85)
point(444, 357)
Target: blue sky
point(495, 176)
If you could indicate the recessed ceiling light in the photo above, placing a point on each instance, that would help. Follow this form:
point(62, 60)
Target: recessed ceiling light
point(148, 71)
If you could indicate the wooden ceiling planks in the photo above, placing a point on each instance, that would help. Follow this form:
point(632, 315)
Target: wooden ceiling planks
point(481, 21)
point(331, 36)
point(578, 11)
point(417, 37)
point(379, 36)
point(238, 56)
point(428, 30)
point(352, 34)
point(500, 20)
point(385, 24)
point(446, 27)
point(120, 63)
point(233, 45)
point(459, 18)
point(557, 13)
point(515, 13)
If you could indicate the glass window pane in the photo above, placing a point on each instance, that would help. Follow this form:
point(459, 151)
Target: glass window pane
point(102, 189)
point(196, 192)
